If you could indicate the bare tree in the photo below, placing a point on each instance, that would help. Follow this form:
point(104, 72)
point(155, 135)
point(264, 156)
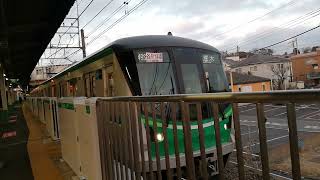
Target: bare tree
point(262, 51)
point(280, 72)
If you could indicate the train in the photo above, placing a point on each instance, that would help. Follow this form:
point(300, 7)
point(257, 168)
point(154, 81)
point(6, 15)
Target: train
point(147, 66)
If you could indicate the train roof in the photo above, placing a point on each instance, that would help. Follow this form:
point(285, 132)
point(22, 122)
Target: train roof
point(136, 42)
point(150, 41)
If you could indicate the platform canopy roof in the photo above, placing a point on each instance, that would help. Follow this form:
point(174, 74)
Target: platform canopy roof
point(26, 28)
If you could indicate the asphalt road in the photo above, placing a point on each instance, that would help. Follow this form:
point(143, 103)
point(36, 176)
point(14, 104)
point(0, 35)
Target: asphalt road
point(308, 122)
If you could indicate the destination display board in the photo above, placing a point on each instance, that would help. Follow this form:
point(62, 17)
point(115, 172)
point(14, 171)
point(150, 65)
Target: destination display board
point(150, 57)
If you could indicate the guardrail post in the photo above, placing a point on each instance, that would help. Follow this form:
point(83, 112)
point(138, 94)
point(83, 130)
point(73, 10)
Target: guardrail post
point(294, 151)
point(188, 141)
point(263, 142)
point(218, 140)
point(239, 148)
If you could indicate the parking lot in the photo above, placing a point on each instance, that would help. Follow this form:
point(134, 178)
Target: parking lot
point(308, 125)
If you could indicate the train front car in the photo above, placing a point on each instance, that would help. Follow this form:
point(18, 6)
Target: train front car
point(167, 65)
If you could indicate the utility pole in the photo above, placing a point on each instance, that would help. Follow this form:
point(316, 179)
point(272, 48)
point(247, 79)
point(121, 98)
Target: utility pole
point(83, 44)
point(231, 81)
point(238, 50)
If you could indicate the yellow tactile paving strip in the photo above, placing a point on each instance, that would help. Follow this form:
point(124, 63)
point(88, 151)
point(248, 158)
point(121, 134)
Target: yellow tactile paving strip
point(40, 154)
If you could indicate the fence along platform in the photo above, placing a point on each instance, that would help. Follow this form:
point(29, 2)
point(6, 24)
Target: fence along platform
point(123, 144)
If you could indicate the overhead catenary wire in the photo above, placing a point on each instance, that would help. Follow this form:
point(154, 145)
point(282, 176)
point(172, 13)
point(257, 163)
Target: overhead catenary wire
point(119, 20)
point(112, 25)
point(77, 19)
point(104, 7)
point(290, 3)
point(108, 18)
point(309, 30)
point(287, 25)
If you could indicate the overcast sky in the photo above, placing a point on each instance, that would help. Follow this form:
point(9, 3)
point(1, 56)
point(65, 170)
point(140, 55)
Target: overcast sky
point(223, 24)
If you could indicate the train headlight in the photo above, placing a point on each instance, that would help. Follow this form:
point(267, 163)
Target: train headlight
point(159, 137)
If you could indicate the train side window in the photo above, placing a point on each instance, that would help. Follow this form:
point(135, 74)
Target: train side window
point(99, 86)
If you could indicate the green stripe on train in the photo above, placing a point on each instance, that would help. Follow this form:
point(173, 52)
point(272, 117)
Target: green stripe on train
point(209, 134)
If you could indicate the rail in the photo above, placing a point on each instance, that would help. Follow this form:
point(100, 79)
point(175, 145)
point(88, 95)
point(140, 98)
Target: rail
point(131, 147)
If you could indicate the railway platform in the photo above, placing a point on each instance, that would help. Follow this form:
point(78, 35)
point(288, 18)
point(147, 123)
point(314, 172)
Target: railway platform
point(26, 151)
point(14, 158)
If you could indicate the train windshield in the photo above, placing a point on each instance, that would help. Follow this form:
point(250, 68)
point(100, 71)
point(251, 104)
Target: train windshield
point(215, 77)
point(155, 72)
point(201, 71)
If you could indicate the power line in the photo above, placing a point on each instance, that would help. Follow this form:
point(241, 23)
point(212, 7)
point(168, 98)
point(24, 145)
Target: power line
point(291, 37)
point(108, 18)
point(119, 20)
point(75, 20)
point(97, 13)
point(290, 3)
point(289, 24)
point(112, 25)
point(85, 8)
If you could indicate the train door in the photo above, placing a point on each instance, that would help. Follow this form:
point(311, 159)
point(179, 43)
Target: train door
point(90, 84)
point(93, 84)
point(99, 87)
point(86, 85)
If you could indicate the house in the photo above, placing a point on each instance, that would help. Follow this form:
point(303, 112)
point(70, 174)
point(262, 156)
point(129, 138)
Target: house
point(248, 83)
point(42, 73)
point(306, 68)
point(228, 63)
point(276, 68)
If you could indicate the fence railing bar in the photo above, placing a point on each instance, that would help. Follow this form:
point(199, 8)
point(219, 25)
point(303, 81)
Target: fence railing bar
point(263, 141)
point(155, 131)
point(215, 109)
point(112, 141)
point(102, 125)
point(125, 136)
point(116, 140)
point(188, 141)
point(130, 144)
point(293, 137)
point(236, 121)
point(119, 128)
point(204, 171)
point(252, 97)
point(175, 138)
point(146, 116)
point(166, 145)
point(134, 127)
point(142, 149)
point(101, 135)
point(109, 141)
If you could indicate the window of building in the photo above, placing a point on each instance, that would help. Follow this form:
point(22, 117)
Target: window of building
point(251, 69)
point(315, 66)
point(238, 70)
point(99, 74)
point(263, 87)
point(255, 68)
point(280, 66)
point(272, 67)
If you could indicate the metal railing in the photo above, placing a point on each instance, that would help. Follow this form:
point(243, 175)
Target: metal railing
point(129, 147)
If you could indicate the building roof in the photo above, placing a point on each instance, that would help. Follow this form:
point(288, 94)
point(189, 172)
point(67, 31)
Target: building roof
point(229, 62)
point(242, 78)
point(260, 59)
